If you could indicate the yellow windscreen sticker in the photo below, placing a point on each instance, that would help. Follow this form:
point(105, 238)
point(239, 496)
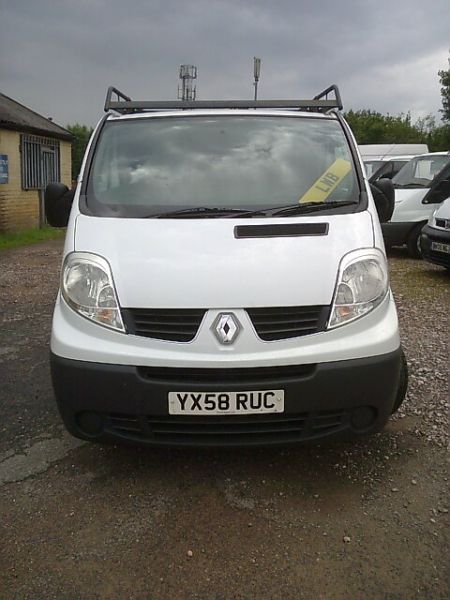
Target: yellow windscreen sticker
point(322, 188)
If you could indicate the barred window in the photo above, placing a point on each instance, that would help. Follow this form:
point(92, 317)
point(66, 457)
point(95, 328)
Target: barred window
point(40, 162)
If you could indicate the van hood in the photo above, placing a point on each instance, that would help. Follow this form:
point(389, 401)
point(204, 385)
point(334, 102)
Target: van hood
point(199, 263)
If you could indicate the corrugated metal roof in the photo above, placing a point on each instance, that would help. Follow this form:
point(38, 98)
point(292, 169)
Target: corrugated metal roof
point(14, 115)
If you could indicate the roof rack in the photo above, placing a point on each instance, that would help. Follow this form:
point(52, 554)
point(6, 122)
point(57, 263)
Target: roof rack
point(123, 103)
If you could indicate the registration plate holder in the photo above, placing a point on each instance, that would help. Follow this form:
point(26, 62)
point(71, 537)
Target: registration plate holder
point(226, 403)
point(440, 247)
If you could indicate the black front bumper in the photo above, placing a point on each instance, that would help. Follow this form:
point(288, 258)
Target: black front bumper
point(427, 237)
point(107, 402)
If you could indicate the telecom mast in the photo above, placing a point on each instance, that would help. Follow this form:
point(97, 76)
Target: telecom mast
point(187, 91)
point(256, 72)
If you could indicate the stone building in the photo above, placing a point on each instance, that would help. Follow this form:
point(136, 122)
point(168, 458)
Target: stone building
point(34, 151)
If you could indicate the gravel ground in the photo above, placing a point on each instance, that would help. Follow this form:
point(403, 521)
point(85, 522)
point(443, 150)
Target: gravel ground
point(422, 293)
point(334, 520)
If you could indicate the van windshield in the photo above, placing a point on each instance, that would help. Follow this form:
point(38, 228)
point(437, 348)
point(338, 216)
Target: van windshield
point(372, 166)
point(143, 167)
point(420, 171)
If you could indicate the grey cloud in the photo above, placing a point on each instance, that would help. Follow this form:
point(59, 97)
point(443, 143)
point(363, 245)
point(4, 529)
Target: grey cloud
point(59, 57)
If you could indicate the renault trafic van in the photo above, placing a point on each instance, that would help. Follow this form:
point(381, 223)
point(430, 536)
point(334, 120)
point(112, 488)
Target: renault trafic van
point(435, 236)
point(224, 278)
point(420, 186)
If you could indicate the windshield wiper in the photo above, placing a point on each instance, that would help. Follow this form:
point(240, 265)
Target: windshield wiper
point(205, 211)
point(275, 211)
point(307, 207)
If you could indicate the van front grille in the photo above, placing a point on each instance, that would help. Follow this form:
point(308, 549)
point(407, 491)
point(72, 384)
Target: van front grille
point(174, 325)
point(182, 324)
point(288, 321)
point(269, 376)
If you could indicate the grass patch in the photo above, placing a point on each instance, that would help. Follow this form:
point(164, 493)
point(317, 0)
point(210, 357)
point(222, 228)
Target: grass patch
point(29, 236)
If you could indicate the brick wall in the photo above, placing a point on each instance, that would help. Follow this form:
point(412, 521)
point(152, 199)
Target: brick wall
point(19, 209)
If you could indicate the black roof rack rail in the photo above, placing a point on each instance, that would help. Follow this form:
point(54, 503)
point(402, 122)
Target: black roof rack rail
point(123, 103)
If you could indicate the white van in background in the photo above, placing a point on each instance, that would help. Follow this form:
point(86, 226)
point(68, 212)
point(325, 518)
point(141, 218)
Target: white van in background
point(420, 185)
point(435, 237)
point(386, 151)
point(386, 160)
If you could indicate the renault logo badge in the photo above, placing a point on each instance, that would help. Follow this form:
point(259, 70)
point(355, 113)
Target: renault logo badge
point(226, 328)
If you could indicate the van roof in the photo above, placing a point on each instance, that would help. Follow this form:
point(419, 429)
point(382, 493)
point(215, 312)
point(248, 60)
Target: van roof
point(443, 153)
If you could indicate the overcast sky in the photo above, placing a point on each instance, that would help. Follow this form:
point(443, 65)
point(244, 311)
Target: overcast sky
point(59, 56)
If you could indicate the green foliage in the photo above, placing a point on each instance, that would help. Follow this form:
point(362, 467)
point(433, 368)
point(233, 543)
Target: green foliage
point(29, 236)
point(444, 78)
point(81, 134)
point(439, 138)
point(370, 127)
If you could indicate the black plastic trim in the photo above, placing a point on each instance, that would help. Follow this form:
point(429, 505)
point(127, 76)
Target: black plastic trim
point(107, 389)
point(282, 230)
point(429, 235)
point(124, 104)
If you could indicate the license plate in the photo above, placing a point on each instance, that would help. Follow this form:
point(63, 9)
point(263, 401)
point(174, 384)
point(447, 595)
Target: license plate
point(440, 247)
point(226, 403)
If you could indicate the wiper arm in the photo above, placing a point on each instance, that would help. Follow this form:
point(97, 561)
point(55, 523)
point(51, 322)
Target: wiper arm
point(307, 207)
point(206, 211)
point(408, 185)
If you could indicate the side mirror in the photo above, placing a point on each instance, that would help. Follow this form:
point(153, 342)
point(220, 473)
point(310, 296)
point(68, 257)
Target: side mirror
point(383, 193)
point(438, 193)
point(58, 202)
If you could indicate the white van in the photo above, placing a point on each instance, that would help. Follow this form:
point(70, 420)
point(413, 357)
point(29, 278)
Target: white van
point(224, 278)
point(435, 236)
point(420, 185)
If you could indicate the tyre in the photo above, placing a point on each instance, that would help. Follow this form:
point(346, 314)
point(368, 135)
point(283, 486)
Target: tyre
point(402, 384)
point(413, 241)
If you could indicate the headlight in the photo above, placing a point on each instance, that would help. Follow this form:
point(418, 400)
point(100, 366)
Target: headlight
point(362, 284)
point(431, 219)
point(87, 286)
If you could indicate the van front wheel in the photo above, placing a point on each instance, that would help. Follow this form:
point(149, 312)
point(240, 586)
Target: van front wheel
point(413, 241)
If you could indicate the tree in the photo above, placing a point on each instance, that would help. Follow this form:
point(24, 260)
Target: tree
point(81, 135)
point(444, 78)
point(372, 127)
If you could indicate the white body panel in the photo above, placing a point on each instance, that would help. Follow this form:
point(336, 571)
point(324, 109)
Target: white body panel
point(409, 207)
point(442, 212)
point(198, 263)
point(77, 338)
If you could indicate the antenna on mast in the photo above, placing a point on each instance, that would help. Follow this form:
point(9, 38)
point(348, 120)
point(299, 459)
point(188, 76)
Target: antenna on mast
point(256, 72)
point(187, 91)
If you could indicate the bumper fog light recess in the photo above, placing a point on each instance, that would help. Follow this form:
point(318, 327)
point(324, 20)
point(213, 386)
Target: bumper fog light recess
point(363, 417)
point(90, 423)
